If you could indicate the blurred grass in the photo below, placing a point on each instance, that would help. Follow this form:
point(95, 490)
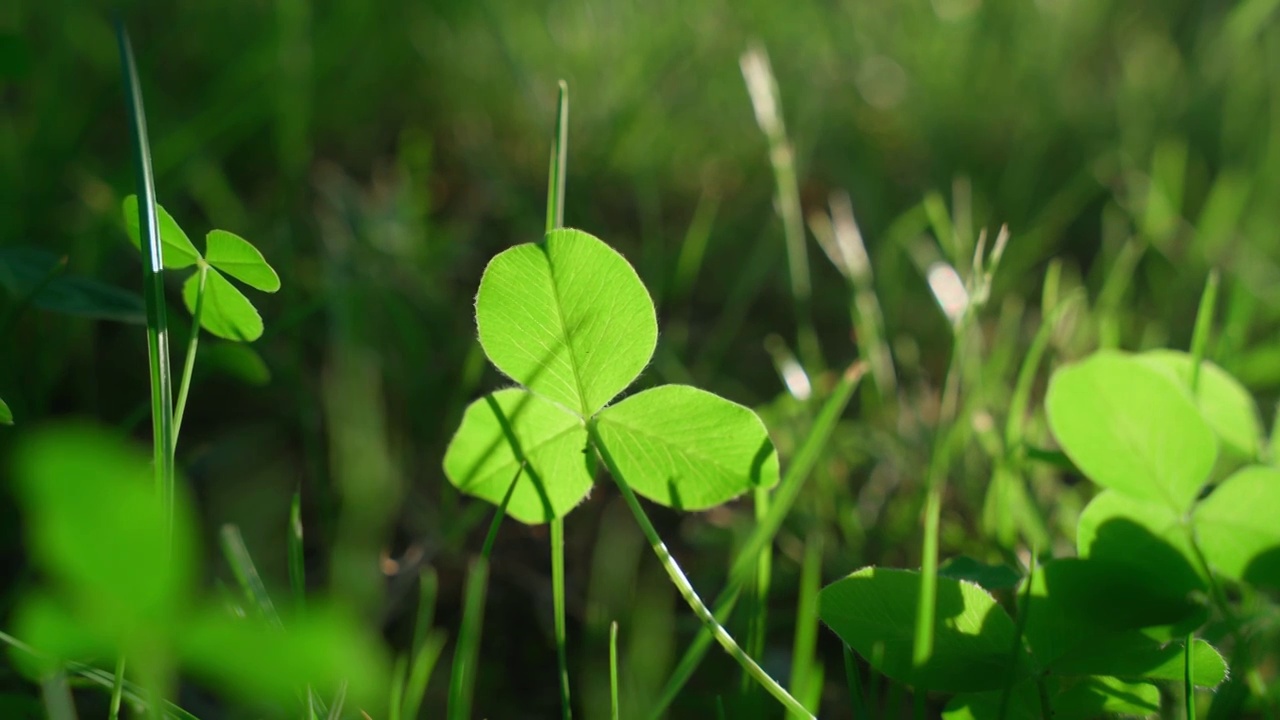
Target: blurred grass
point(379, 154)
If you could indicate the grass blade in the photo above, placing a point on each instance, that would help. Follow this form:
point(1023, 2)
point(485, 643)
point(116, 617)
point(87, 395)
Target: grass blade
point(241, 562)
point(297, 564)
point(1203, 326)
point(613, 669)
point(153, 278)
point(806, 674)
point(854, 681)
point(462, 682)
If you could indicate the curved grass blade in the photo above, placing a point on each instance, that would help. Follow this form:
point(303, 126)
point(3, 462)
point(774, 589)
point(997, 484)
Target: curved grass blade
point(153, 280)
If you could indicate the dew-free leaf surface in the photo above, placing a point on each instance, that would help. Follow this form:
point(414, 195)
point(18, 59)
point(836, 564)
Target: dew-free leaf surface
point(687, 448)
point(1146, 536)
point(874, 611)
point(568, 318)
point(1226, 405)
point(37, 274)
point(179, 252)
point(1131, 428)
point(236, 257)
point(499, 432)
point(1238, 529)
point(225, 312)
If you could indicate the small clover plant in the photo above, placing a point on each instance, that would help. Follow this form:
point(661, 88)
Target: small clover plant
point(215, 304)
point(1185, 506)
point(569, 319)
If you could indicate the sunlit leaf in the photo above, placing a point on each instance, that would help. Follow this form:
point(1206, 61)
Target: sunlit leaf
point(1226, 404)
point(177, 248)
point(236, 257)
point(686, 448)
point(226, 312)
point(1131, 428)
point(510, 428)
point(1237, 526)
point(567, 318)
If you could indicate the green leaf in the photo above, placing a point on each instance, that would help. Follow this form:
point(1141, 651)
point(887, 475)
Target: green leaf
point(236, 257)
point(686, 448)
point(1130, 428)
point(178, 250)
point(1145, 536)
point(510, 427)
point(38, 275)
point(236, 360)
point(1023, 704)
point(1226, 405)
point(567, 318)
point(6, 415)
point(990, 577)
point(874, 609)
point(1076, 602)
point(226, 312)
point(1135, 656)
point(97, 529)
point(257, 661)
point(1090, 697)
point(1237, 529)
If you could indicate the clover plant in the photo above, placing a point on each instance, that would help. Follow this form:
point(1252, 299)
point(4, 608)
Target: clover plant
point(1185, 507)
point(570, 321)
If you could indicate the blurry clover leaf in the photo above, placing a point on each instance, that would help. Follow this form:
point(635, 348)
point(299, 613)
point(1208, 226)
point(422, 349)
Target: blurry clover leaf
point(39, 275)
point(121, 581)
point(6, 415)
point(1131, 428)
point(874, 612)
point(1237, 529)
point(570, 320)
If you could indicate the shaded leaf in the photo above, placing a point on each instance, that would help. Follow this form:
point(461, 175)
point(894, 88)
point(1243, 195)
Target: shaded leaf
point(226, 312)
point(502, 430)
point(1237, 529)
point(37, 274)
point(686, 448)
point(1145, 536)
point(178, 251)
point(990, 577)
point(874, 610)
point(567, 318)
point(236, 360)
point(1136, 656)
point(1090, 697)
point(236, 257)
point(1130, 428)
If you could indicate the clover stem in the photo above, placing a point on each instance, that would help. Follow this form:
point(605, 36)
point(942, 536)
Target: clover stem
point(690, 595)
point(557, 591)
point(189, 363)
point(117, 689)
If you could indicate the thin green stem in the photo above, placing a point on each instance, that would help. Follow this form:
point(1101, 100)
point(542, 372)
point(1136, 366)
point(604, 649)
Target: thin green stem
point(1015, 652)
point(613, 669)
point(854, 681)
point(189, 364)
point(784, 497)
point(297, 563)
point(756, 634)
point(1204, 324)
point(462, 680)
point(686, 589)
point(557, 589)
point(117, 689)
point(1188, 677)
point(57, 696)
point(555, 219)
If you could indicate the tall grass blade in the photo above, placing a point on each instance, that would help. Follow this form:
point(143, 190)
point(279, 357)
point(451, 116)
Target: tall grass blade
point(806, 673)
point(854, 681)
point(152, 278)
point(1203, 326)
point(242, 566)
point(462, 682)
point(297, 563)
point(613, 670)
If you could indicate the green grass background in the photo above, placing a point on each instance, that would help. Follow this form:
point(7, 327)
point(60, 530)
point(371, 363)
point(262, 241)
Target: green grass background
point(380, 153)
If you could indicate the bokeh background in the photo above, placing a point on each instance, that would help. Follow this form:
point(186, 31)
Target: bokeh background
point(380, 152)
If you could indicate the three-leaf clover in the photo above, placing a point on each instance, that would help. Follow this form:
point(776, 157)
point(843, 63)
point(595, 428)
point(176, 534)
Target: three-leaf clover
point(224, 310)
point(569, 320)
